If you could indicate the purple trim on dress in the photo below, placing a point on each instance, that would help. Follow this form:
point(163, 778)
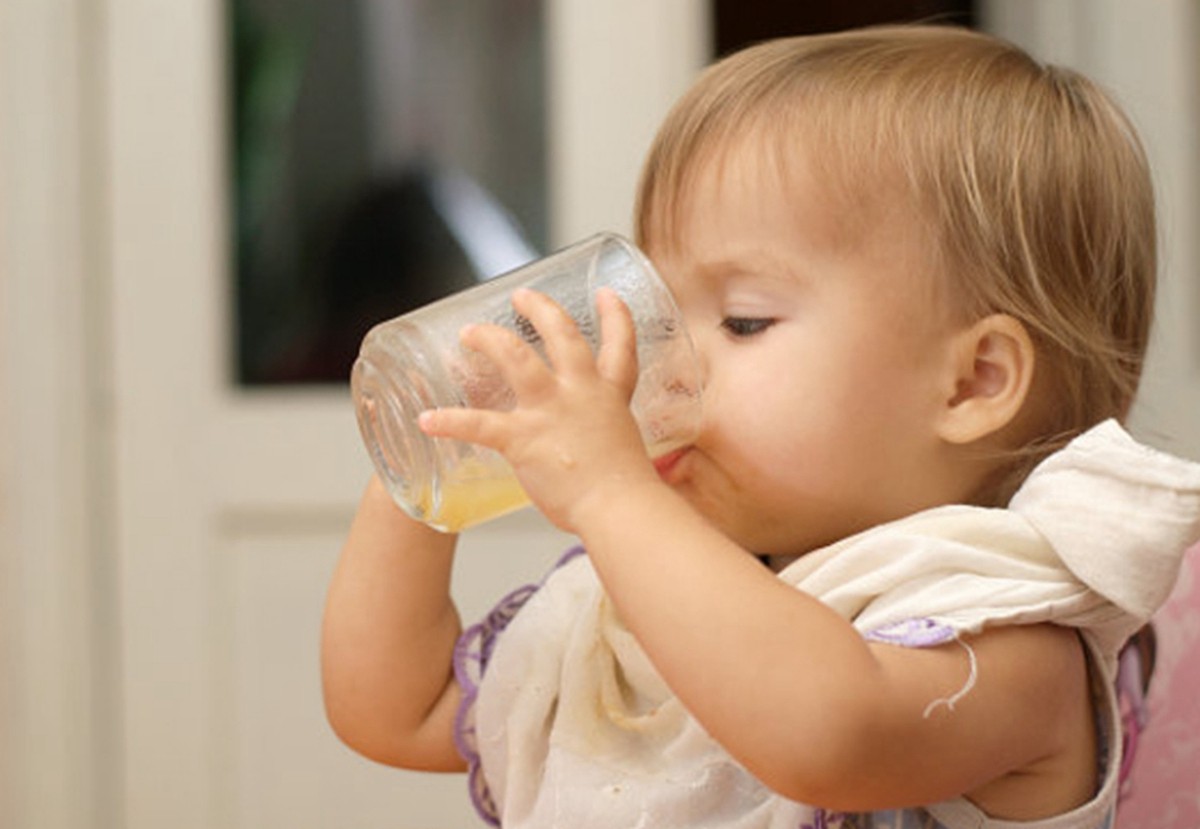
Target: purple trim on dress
point(1135, 714)
point(823, 819)
point(913, 633)
point(472, 653)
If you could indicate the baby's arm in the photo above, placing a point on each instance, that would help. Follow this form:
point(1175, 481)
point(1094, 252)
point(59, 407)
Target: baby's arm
point(388, 638)
point(785, 684)
point(798, 696)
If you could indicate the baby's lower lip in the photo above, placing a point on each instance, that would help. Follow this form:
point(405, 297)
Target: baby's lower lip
point(665, 463)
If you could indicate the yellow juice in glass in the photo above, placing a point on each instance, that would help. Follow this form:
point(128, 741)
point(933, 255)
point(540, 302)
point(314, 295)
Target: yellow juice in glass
point(475, 493)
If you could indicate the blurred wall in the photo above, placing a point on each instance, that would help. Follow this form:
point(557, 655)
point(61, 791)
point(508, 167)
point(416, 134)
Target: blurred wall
point(1146, 55)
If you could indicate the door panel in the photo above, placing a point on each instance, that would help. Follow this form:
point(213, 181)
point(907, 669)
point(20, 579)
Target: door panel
point(229, 505)
point(279, 763)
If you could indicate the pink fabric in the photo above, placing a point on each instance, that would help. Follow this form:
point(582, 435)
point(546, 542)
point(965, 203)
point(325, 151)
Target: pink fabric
point(1164, 785)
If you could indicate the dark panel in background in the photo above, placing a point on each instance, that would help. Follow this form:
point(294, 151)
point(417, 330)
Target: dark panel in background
point(739, 23)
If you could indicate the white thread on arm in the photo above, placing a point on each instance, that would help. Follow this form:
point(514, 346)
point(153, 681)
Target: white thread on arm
point(961, 692)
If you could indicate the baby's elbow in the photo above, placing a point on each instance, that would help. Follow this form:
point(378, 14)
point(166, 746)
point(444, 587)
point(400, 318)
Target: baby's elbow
point(827, 769)
point(361, 736)
point(427, 745)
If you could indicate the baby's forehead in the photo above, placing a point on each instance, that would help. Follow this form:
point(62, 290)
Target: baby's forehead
point(828, 190)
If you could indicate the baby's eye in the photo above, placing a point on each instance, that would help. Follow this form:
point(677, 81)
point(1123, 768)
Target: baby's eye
point(746, 326)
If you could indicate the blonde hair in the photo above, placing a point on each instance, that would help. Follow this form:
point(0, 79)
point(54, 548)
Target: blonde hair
point(1032, 184)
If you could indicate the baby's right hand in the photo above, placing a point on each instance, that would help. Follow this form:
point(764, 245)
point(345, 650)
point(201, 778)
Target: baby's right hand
point(571, 435)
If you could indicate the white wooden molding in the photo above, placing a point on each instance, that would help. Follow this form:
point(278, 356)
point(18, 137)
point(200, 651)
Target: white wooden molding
point(51, 546)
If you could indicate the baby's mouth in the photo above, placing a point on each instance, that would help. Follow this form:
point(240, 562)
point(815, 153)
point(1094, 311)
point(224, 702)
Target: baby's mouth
point(664, 464)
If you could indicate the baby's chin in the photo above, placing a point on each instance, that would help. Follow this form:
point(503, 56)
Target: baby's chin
point(759, 532)
point(769, 543)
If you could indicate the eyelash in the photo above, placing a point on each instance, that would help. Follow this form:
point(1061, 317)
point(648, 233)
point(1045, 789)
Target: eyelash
point(742, 327)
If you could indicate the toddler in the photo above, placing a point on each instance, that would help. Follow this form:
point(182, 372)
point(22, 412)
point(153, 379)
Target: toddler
point(887, 583)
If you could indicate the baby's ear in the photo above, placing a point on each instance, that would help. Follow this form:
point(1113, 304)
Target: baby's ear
point(988, 380)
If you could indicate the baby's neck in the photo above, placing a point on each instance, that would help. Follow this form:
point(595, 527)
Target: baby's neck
point(776, 564)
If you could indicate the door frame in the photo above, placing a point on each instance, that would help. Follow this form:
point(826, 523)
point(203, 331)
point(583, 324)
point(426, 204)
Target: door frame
point(56, 605)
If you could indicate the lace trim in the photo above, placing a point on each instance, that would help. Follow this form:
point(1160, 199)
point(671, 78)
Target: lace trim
point(927, 633)
point(1135, 714)
point(472, 653)
point(822, 819)
point(913, 633)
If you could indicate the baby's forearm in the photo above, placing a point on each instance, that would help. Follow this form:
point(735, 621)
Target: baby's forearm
point(796, 694)
point(388, 638)
point(742, 650)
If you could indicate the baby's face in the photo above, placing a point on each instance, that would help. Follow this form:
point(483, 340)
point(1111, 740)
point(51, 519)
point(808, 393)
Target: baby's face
point(825, 347)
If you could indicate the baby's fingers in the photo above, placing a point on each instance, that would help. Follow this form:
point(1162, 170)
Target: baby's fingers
point(617, 360)
point(522, 368)
point(480, 426)
point(566, 347)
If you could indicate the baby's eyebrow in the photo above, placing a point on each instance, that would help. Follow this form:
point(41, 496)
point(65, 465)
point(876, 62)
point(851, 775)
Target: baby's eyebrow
point(760, 268)
point(751, 263)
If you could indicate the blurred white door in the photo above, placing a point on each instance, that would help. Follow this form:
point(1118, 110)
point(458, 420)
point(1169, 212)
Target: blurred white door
point(1145, 55)
point(229, 505)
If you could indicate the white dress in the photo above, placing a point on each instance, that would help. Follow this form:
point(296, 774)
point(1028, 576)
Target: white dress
point(571, 726)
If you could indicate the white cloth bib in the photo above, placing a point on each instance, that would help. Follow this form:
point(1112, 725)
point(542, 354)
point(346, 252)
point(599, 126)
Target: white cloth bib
point(573, 727)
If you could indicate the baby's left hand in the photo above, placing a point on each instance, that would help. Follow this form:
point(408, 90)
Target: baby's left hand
point(570, 436)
